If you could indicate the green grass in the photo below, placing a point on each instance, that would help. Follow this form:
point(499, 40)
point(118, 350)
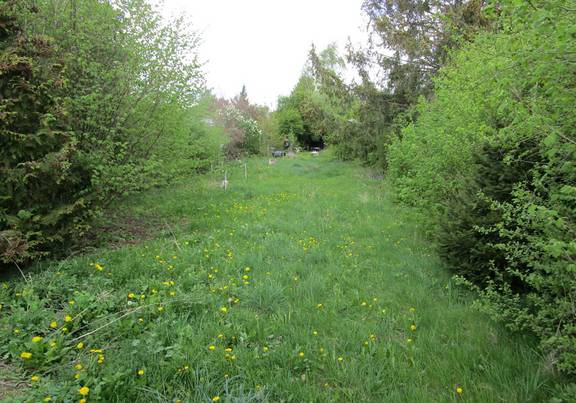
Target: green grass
point(307, 273)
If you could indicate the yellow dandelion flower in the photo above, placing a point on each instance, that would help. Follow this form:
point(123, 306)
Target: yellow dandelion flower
point(301, 354)
point(16, 331)
point(140, 372)
point(53, 344)
point(78, 367)
point(37, 339)
point(459, 390)
point(314, 333)
point(413, 328)
point(216, 399)
point(84, 390)
point(25, 355)
point(67, 318)
point(412, 309)
point(223, 309)
point(96, 350)
point(71, 302)
point(160, 308)
point(80, 346)
point(98, 267)
point(82, 401)
point(265, 349)
point(211, 347)
point(340, 359)
point(131, 295)
point(409, 341)
point(35, 378)
point(320, 306)
point(54, 324)
point(47, 399)
point(228, 350)
point(77, 375)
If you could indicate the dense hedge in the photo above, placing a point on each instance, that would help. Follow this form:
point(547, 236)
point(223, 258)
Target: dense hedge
point(491, 161)
point(97, 99)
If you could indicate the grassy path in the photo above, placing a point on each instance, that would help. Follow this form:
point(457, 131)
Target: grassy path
point(302, 283)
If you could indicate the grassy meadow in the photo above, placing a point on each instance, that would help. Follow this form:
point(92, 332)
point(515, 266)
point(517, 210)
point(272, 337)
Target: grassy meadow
point(301, 283)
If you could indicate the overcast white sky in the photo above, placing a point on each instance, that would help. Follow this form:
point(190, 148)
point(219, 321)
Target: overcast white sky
point(264, 43)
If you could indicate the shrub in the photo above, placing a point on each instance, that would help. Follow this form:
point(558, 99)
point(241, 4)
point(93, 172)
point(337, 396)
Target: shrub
point(491, 161)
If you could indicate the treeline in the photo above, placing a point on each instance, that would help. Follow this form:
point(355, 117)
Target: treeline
point(468, 107)
point(99, 99)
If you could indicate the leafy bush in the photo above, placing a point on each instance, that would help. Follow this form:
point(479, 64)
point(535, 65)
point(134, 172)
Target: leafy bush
point(43, 178)
point(490, 160)
point(103, 103)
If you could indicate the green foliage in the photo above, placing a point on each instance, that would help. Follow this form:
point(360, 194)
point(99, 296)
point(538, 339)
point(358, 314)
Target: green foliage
point(42, 175)
point(490, 160)
point(99, 99)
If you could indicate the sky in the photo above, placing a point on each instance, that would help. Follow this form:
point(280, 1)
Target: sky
point(263, 44)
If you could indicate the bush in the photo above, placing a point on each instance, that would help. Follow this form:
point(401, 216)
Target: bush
point(104, 103)
point(490, 160)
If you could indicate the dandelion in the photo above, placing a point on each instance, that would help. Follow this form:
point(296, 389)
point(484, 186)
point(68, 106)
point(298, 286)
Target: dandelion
point(67, 318)
point(84, 390)
point(409, 341)
point(100, 359)
point(216, 399)
point(320, 306)
point(301, 354)
point(35, 378)
point(340, 359)
point(25, 355)
point(223, 309)
point(98, 267)
point(47, 399)
point(82, 401)
point(413, 328)
point(78, 367)
point(53, 344)
point(228, 350)
point(459, 390)
point(364, 303)
point(314, 333)
point(220, 336)
point(160, 308)
point(16, 331)
point(211, 347)
point(54, 324)
point(265, 349)
point(80, 346)
point(37, 339)
point(131, 295)
point(77, 375)
point(412, 309)
point(247, 269)
point(172, 293)
point(71, 302)
point(96, 350)
point(140, 372)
